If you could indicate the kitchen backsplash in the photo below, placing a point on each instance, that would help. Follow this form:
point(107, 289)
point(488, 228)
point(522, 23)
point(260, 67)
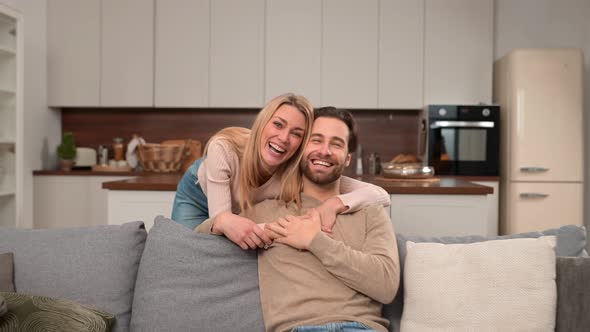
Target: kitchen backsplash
point(386, 132)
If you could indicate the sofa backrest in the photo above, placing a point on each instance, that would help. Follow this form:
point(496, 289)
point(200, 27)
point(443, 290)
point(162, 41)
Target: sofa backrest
point(92, 265)
point(195, 282)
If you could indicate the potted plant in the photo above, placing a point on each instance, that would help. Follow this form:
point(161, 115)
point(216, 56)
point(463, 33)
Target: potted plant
point(66, 152)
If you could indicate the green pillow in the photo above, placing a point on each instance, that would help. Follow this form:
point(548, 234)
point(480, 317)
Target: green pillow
point(40, 313)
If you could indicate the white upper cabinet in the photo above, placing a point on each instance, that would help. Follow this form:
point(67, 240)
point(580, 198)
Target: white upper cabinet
point(182, 53)
point(401, 54)
point(73, 52)
point(350, 53)
point(127, 57)
point(293, 48)
point(458, 60)
point(237, 53)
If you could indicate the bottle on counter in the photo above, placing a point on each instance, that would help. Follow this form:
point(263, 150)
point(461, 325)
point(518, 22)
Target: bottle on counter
point(103, 155)
point(118, 149)
point(359, 160)
point(374, 164)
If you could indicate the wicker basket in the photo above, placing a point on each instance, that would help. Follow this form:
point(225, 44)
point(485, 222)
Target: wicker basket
point(162, 158)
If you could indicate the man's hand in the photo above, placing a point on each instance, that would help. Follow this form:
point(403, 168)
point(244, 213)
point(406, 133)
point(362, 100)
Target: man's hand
point(296, 232)
point(328, 211)
point(242, 231)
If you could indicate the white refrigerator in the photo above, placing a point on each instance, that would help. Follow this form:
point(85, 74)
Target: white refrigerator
point(540, 92)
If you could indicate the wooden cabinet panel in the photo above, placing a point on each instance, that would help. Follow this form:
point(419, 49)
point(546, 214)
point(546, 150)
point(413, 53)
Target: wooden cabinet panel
point(73, 52)
point(293, 48)
point(458, 54)
point(182, 53)
point(127, 57)
point(401, 54)
point(350, 53)
point(237, 53)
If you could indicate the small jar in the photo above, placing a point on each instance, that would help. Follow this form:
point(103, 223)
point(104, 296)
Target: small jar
point(118, 148)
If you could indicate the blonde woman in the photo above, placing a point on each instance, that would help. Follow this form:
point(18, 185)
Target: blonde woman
point(242, 167)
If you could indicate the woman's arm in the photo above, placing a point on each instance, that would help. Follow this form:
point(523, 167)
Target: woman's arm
point(358, 194)
point(355, 196)
point(221, 172)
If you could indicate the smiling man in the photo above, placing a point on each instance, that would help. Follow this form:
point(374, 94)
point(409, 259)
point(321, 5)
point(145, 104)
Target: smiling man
point(312, 281)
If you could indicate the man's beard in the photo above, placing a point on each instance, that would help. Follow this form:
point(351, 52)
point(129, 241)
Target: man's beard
point(323, 178)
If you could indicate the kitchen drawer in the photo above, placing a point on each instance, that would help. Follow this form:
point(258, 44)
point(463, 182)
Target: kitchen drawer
point(540, 206)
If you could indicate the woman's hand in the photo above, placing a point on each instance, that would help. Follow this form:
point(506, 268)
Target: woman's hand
point(328, 211)
point(242, 231)
point(296, 232)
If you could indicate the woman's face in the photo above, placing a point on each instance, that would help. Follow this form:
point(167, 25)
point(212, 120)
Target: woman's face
point(281, 136)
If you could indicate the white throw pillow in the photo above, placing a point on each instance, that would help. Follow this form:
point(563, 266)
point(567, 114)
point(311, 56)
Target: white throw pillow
point(502, 285)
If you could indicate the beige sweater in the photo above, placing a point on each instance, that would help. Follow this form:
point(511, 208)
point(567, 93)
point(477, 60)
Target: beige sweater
point(220, 171)
point(346, 278)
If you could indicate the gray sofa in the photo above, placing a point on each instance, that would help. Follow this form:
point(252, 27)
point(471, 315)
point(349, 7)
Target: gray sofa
point(177, 280)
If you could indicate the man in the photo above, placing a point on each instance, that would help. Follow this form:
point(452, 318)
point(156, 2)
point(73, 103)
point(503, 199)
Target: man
point(312, 281)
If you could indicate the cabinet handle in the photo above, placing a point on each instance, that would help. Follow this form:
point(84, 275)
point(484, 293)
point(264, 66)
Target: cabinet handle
point(533, 169)
point(533, 195)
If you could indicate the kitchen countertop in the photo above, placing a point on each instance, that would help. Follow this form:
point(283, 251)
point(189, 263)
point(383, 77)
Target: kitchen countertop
point(88, 172)
point(446, 185)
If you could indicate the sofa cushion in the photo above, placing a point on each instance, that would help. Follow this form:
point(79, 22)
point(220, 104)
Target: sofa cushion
point(89, 265)
point(571, 241)
point(573, 299)
point(6, 272)
point(40, 313)
point(505, 284)
point(189, 281)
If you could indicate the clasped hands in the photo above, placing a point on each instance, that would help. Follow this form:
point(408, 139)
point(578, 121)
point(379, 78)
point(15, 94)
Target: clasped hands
point(291, 230)
point(294, 231)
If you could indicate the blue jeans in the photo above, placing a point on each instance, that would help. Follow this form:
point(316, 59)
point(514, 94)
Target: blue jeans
point(190, 203)
point(334, 327)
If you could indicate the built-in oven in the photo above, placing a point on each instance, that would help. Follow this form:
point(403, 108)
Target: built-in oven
point(464, 139)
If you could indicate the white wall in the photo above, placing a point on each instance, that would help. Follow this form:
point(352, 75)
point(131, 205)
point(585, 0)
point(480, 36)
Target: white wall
point(549, 23)
point(42, 127)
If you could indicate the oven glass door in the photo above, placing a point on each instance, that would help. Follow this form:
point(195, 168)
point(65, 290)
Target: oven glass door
point(462, 147)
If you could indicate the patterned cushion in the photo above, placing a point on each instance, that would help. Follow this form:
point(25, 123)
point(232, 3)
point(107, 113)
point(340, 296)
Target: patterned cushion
point(40, 313)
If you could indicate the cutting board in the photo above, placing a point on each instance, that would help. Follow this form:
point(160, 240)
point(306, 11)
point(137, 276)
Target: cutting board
point(382, 178)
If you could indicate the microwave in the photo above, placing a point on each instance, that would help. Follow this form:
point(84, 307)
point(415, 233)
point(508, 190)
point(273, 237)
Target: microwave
point(464, 139)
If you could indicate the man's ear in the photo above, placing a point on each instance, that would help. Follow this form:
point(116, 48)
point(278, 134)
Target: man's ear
point(348, 158)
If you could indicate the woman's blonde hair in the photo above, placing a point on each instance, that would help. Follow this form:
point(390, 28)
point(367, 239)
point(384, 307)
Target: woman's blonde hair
point(246, 143)
point(251, 167)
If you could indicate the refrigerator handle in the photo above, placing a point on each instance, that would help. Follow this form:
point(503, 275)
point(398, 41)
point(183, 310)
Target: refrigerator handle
point(534, 169)
point(533, 195)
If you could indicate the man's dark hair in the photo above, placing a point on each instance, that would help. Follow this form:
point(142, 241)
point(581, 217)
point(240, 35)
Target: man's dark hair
point(344, 116)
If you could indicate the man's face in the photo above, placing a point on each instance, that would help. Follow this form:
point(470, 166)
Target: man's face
point(326, 154)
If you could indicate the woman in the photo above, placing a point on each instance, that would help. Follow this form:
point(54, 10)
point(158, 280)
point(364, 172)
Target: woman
point(242, 167)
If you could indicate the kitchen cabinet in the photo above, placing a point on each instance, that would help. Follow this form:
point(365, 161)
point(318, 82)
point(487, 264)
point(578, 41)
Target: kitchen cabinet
point(182, 53)
point(236, 62)
point(293, 48)
point(440, 215)
point(127, 53)
point(132, 205)
point(458, 51)
point(73, 53)
point(70, 201)
point(350, 54)
point(401, 54)
point(493, 206)
point(11, 117)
